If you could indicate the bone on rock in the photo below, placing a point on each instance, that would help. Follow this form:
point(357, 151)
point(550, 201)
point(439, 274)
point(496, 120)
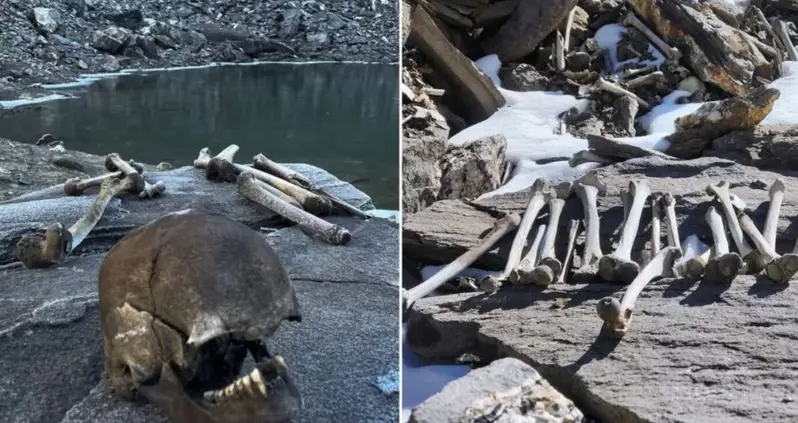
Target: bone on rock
point(780, 268)
point(522, 274)
point(619, 266)
point(588, 194)
point(540, 194)
point(617, 315)
point(723, 266)
point(750, 256)
point(573, 229)
point(549, 267)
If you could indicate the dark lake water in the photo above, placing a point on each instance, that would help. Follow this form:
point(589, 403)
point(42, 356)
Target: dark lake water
point(341, 117)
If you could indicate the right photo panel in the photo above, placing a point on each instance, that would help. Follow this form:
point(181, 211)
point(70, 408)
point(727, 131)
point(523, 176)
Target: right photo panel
point(599, 211)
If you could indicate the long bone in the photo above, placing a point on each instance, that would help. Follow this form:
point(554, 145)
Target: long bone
point(604, 85)
point(723, 266)
point(309, 201)
point(617, 315)
point(784, 35)
point(57, 243)
point(539, 197)
point(501, 228)
point(76, 186)
point(618, 266)
point(263, 163)
point(549, 267)
point(779, 268)
point(671, 52)
point(573, 229)
point(588, 194)
point(522, 274)
point(221, 167)
point(776, 194)
point(114, 163)
point(694, 268)
point(670, 221)
point(656, 226)
point(751, 258)
point(251, 189)
point(626, 200)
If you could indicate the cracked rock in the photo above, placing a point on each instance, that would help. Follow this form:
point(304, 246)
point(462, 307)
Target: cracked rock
point(472, 169)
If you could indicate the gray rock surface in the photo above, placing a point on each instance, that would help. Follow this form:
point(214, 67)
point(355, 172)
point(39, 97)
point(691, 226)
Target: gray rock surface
point(523, 77)
point(508, 390)
point(694, 353)
point(347, 340)
point(772, 147)
point(422, 147)
point(448, 228)
point(472, 169)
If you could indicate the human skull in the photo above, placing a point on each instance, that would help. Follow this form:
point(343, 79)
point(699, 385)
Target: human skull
point(182, 301)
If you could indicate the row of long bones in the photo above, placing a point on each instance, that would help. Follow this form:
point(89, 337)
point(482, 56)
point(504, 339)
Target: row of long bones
point(264, 182)
point(540, 266)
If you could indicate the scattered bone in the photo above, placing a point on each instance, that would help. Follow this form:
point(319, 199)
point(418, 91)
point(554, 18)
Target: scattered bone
point(723, 266)
point(252, 190)
point(220, 167)
point(776, 195)
point(656, 227)
point(151, 191)
point(114, 163)
point(780, 268)
point(670, 221)
point(671, 52)
point(749, 255)
point(311, 202)
point(604, 85)
point(784, 35)
point(768, 27)
point(573, 229)
point(559, 52)
point(279, 194)
point(76, 186)
point(617, 315)
point(568, 27)
point(592, 251)
point(539, 197)
point(618, 266)
point(263, 163)
point(522, 274)
point(549, 267)
point(651, 79)
point(501, 228)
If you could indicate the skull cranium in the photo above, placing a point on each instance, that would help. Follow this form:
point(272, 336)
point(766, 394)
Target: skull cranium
point(183, 299)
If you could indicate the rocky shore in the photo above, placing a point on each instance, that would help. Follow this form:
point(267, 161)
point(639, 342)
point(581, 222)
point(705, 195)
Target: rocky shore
point(51, 314)
point(562, 168)
point(54, 41)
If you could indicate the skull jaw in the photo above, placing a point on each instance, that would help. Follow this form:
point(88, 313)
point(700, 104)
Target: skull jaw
point(263, 396)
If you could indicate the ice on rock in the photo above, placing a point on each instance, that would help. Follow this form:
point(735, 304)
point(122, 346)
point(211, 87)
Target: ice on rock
point(490, 66)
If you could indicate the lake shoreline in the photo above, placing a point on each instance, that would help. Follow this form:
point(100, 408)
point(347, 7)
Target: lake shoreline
point(63, 42)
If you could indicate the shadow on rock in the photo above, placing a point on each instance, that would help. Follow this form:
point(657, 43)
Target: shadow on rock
point(765, 287)
point(601, 348)
point(706, 293)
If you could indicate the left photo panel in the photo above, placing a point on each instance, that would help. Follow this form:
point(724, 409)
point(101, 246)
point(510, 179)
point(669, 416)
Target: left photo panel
point(199, 211)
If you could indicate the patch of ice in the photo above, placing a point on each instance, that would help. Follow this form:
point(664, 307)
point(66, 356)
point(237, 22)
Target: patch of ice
point(389, 384)
point(490, 65)
point(785, 111)
point(392, 215)
point(527, 171)
point(430, 271)
point(421, 380)
point(10, 104)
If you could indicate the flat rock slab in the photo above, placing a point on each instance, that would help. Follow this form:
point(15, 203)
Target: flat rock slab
point(508, 390)
point(694, 353)
point(346, 341)
point(448, 228)
point(186, 188)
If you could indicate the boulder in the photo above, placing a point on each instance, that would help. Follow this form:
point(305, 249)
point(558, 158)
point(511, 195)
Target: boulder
point(507, 390)
point(699, 352)
point(770, 147)
point(112, 40)
point(51, 316)
point(695, 131)
point(531, 22)
point(472, 169)
point(716, 52)
point(46, 19)
point(448, 228)
point(523, 77)
point(423, 144)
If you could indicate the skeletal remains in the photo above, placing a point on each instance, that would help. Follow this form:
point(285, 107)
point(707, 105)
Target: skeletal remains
point(540, 266)
point(182, 300)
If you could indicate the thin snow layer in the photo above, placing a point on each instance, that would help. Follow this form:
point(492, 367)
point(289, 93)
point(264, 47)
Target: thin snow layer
point(490, 65)
point(527, 171)
point(785, 110)
point(421, 380)
point(10, 104)
point(608, 36)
